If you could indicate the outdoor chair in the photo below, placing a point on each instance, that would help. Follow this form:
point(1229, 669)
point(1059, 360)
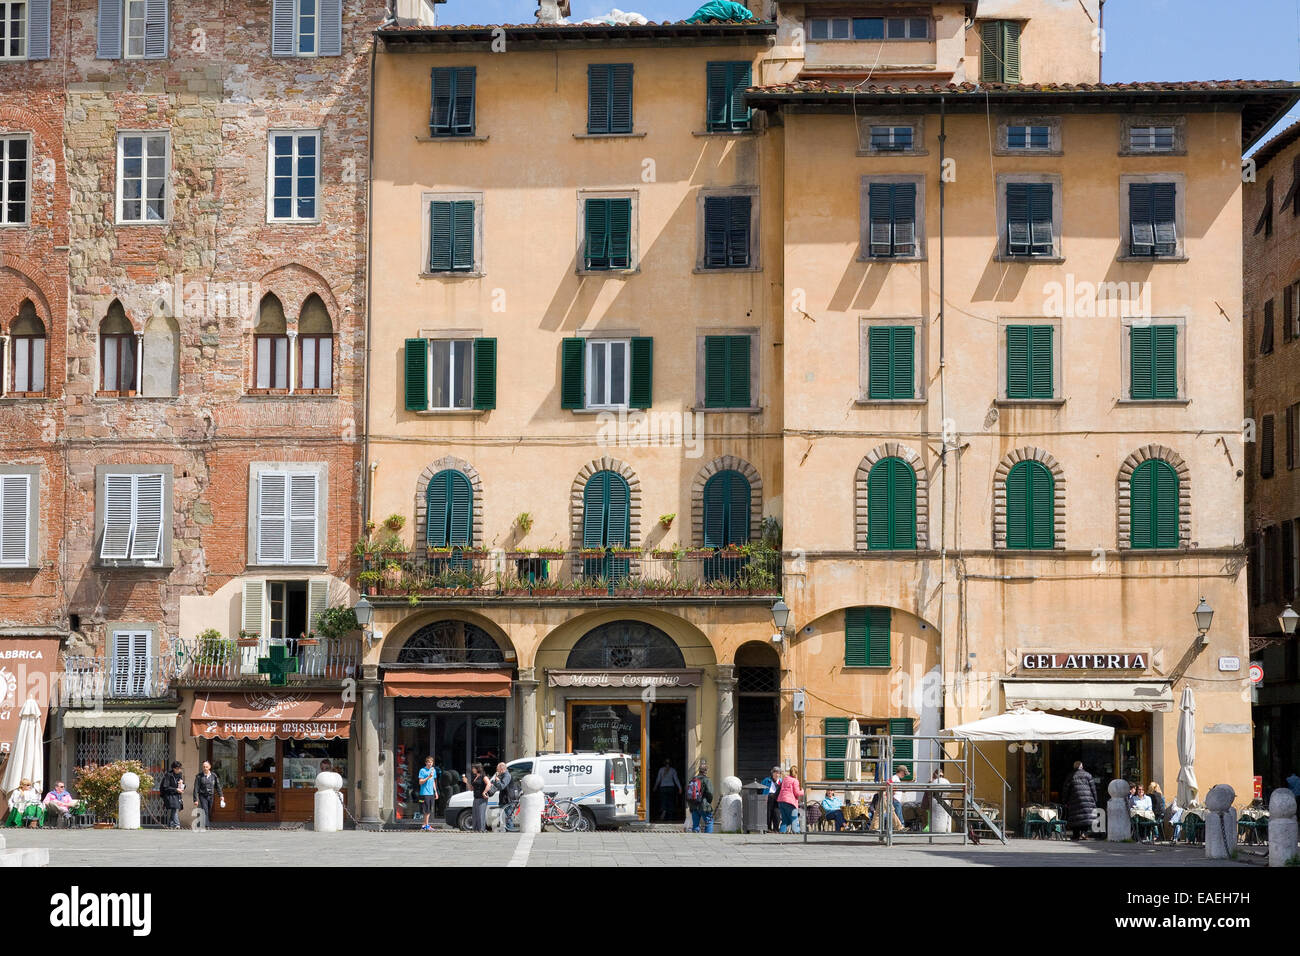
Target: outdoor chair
point(1193, 829)
point(1146, 828)
point(1035, 827)
point(1252, 831)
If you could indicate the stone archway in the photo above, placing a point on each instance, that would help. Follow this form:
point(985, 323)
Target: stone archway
point(727, 463)
point(1124, 492)
point(449, 463)
point(578, 490)
point(861, 495)
point(1000, 494)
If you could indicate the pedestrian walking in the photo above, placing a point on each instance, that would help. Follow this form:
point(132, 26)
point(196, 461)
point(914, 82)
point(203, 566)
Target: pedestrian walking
point(207, 788)
point(428, 790)
point(668, 785)
point(478, 783)
point(787, 800)
point(772, 785)
point(1079, 794)
point(170, 788)
point(699, 797)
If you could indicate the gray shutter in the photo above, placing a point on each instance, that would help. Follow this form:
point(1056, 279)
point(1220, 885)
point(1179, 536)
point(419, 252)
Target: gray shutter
point(254, 602)
point(118, 513)
point(108, 45)
point(271, 518)
point(302, 519)
point(318, 590)
point(38, 29)
point(148, 517)
point(15, 536)
point(282, 24)
point(155, 29)
point(331, 27)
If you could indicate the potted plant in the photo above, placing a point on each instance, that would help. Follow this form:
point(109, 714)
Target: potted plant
point(392, 574)
point(368, 581)
point(247, 639)
point(336, 622)
point(98, 787)
point(524, 521)
point(395, 522)
point(666, 521)
point(393, 546)
point(212, 650)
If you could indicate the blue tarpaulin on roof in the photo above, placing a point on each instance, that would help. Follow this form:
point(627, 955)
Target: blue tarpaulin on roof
point(720, 10)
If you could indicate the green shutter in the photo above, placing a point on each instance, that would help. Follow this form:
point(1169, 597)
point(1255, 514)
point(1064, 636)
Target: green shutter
point(715, 513)
point(572, 372)
point(904, 218)
point(726, 510)
point(617, 512)
point(1017, 361)
point(836, 746)
point(1154, 506)
point(1040, 219)
point(1165, 515)
point(1010, 52)
point(891, 506)
point(595, 248)
point(1141, 363)
point(737, 371)
point(1141, 217)
point(1041, 364)
point(1165, 361)
point(880, 220)
point(620, 98)
point(462, 119)
point(856, 636)
point(902, 349)
point(1031, 507)
point(991, 52)
point(436, 511)
point(1018, 230)
point(740, 78)
point(641, 389)
point(717, 99)
point(715, 371)
point(1164, 215)
point(485, 373)
point(738, 209)
point(904, 750)
point(595, 498)
point(717, 211)
point(1141, 488)
point(878, 621)
point(417, 375)
point(452, 109)
point(598, 98)
point(440, 236)
point(880, 363)
point(620, 234)
point(462, 243)
point(1018, 510)
point(460, 509)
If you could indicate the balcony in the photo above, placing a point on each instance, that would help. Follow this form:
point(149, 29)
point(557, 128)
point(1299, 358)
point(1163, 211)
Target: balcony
point(220, 661)
point(108, 679)
point(440, 574)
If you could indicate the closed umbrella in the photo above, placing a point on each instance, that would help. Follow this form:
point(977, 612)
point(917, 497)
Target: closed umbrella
point(1187, 788)
point(853, 753)
point(25, 761)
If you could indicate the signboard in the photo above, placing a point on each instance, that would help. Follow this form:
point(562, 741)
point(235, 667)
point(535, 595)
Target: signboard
point(1256, 673)
point(630, 679)
point(1090, 661)
point(1229, 663)
point(26, 668)
point(1259, 788)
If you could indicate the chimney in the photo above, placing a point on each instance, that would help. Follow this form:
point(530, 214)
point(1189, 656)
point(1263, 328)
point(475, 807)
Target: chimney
point(551, 11)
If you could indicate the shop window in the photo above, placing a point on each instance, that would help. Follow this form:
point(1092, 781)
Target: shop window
point(626, 645)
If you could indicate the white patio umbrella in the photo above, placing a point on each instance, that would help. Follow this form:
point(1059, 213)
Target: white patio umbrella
point(25, 759)
point(1021, 724)
point(1187, 787)
point(853, 753)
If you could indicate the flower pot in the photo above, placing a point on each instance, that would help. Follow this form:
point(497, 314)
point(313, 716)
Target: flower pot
point(247, 642)
point(308, 642)
point(102, 826)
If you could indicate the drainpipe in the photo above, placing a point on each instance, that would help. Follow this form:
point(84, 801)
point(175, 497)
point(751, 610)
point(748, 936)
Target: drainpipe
point(1101, 36)
point(943, 425)
point(368, 469)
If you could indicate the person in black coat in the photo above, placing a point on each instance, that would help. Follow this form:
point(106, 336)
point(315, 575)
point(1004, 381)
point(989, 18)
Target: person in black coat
point(1079, 794)
point(170, 788)
point(207, 787)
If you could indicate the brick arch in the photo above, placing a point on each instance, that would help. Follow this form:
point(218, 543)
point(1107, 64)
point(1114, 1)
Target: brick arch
point(448, 463)
point(727, 463)
point(292, 283)
point(913, 459)
point(22, 279)
point(1000, 494)
point(579, 487)
point(1125, 509)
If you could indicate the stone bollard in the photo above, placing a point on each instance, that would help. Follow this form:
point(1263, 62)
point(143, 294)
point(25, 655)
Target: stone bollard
point(329, 803)
point(1281, 827)
point(730, 817)
point(940, 818)
point(1118, 826)
point(1220, 822)
point(531, 803)
point(128, 803)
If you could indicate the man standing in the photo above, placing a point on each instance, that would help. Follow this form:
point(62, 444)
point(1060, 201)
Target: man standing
point(428, 790)
point(668, 785)
point(1079, 794)
point(772, 785)
point(699, 797)
point(207, 787)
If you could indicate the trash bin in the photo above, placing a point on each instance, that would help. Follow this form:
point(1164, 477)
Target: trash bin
point(755, 807)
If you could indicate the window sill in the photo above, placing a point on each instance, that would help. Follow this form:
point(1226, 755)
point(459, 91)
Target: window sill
point(632, 135)
point(882, 402)
point(451, 139)
point(1153, 401)
point(888, 259)
point(277, 393)
point(452, 275)
point(1151, 259)
point(714, 410)
point(126, 564)
point(612, 410)
point(445, 412)
point(887, 153)
point(19, 567)
point(1014, 402)
point(609, 272)
point(142, 222)
point(19, 396)
point(867, 667)
point(707, 271)
point(725, 132)
point(126, 394)
point(1154, 153)
point(1031, 260)
point(287, 567)
point(107, 397)
point(293, 222)
point(1029, 153)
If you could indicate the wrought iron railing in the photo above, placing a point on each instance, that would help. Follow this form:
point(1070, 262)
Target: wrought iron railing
point(205, 660)
point(88, 678)
point(461, 572)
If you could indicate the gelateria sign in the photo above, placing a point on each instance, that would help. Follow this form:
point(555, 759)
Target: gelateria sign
point(1091, 661)
point(638, 680)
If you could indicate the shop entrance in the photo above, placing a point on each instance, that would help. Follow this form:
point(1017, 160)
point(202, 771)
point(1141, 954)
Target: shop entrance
point(758, 710)
point(456, 731)
point(1126, 757)
point(667, 742)
point(269, 780)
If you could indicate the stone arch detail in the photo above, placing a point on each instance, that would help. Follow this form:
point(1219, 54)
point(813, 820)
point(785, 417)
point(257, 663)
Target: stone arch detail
point(913, 459)
point(447, 463)
point(1000, 494)
point(579, 487)
point(1125, 510)
point(19, 283)
point(727, 463)
point(292, 283)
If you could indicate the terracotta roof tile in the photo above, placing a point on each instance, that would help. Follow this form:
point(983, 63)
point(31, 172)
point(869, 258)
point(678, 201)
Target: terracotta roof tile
point(824, 86)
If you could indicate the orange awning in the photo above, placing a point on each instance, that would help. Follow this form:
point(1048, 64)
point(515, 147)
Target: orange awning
point(448, 683)
point(263, 714)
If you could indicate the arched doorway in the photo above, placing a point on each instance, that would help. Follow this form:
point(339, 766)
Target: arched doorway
point(758, 711)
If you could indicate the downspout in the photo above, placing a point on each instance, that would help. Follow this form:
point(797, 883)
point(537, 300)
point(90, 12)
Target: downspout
point(366, 468)
point(943, 423)
point(1101, 36)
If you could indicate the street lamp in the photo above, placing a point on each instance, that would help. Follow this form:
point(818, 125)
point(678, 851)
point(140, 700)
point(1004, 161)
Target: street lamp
point(1204, 614)
point(1288, 619)
point(365, 612)
point(780, 618)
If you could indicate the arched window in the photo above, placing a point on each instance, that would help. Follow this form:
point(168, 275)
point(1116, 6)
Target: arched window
point(28, 348)
point(450, 511)
point(1031, 507)
point(450, 642)
point(606, 516)
point(726, 510)
point(315, 346)
point(625, 645)
point(1153, 492)
point(891, 506)
point(161, 357)
point(270, 346)
point(117, 352)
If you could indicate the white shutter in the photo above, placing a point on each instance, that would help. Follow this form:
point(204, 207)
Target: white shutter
point(141, 684)
point(148, 517)
point(155, 29)
point(129, 667)
point(254, 606)
point(283, 22)
point(118, 516)
point(318, 590)
point(331, 27)
point(271, 518)
point(302, 519)
point(14, 532)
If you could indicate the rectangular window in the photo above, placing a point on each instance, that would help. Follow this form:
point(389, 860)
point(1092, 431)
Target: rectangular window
point(609, 98)
point(727, 371)
point(133, 22)
point(869, 28)
point(891, 213)
point(286, 518)
point(117, 363)
point(1266, 447)
point(608, 373)
point(725, 94)
point(1153, 229)
point(450, 367)
point(133, 517)
point(13, 31)
point(130, 666)
point(1030, 362)
point(451, 236)
point(142, 177)
point(1291, 311)
point(15, 513)
point(891, 362)
point(1292, 436)
point(866, 637)
point(1266, 338)
point(452, 110)
point(1151, 139)
point(15, 165)
point(316, 361)
point(306, 27)
point(29, 363)
point(1153, 362)
point(608, 241)
point(271, 361)
point(891, 139)
point(726, 232)
point(1029, 137)
point(1029, 219)
point(451, 374)
point(294, 174)
point(1000, 51)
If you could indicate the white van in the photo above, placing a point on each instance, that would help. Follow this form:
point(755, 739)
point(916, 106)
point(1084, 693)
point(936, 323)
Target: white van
point(603, 785)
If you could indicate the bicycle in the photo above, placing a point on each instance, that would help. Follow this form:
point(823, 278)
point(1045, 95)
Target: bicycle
point(564, 815)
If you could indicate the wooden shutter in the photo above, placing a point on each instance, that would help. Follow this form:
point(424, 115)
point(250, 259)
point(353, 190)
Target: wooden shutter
point(303, 518)
point(880, 219)
point(1288, 313)
point(1141, 362)
point(836, 730)
point(880, 363)
point(440, 236)
point(1040, 219)
point(442, 82)
point(738, 371)
point(437, 510)
point(598, 98)
point(717, 95)
point(1166, 516)
point(1141, 499)
point(620, 98)
point(1266, 340)
point(740, 77)
point(595, 498)
point(1164, 361)
point(878, 621)
point(620, 234)
point(904, 750)
point(1292, 433)
point(1041, 363)
point(282, 26)
point(1266, 447)
point(726, 509)
point(1042, 507)
point(1141, 218)
point(1010, 51)
point(904, 218)
point(272, 517)
point(331, 27)
point(1018, 506)
point(716, 216)
point(991, 56)
point(417, 375)
point(318, 591)
point(108, 41)
point(1018, 380)
point(596, 242)
point(1018, 243)
point(902, 366)
point(254, 606)
point(463, 100)
point(130, 664)
point(38, 29)
point(119, 513)
point(618, 513)
point(716, 394)
point(573, 353)
point(462, 238)
point(460, 510)
point(147, 538)
point(1164, 218)
point(156, 29)
point(738, 210)
point(640, 394)
point(1265, 221)
point(880, 506)
point(15, 509)
point(1154, 506)
point(485, 373)
point(856, 636)
point(715, 512)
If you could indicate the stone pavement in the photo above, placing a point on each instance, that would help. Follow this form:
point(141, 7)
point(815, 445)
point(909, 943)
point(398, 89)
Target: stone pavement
point(186, 848)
